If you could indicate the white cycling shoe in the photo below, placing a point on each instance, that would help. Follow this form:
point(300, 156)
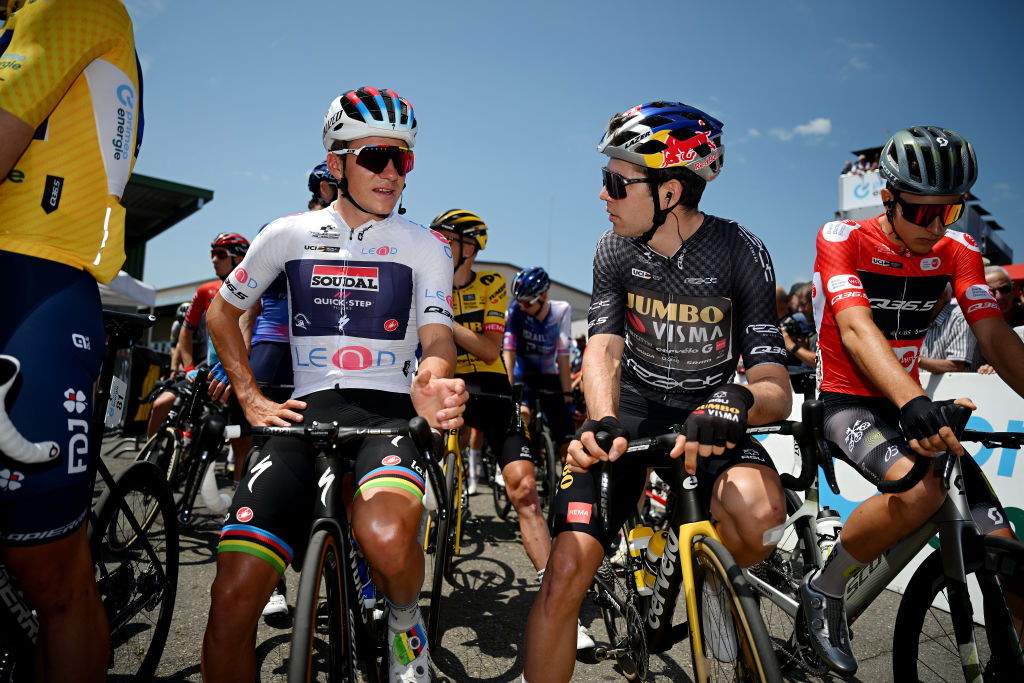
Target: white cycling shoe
point(410, 658)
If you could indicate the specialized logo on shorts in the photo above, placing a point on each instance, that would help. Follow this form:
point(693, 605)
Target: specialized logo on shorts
point(75, 401)
point(391, 460)
point(930, 263)
point(10, 481)
point(244, 514)
point(579, 513)
point(349, 277)
point(840, 282)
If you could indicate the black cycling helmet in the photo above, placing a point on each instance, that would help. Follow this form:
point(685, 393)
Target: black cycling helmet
point(465, 224)
point(928, 160)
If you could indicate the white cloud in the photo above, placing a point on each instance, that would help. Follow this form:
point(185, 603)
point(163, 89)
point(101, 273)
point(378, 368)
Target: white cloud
point(753, 133)
point(857, 63)
point(818, 127)
point(1004, 191)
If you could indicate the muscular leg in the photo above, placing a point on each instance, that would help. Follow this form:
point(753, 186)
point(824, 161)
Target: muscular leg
point(747, 500)
point(162, 405)
point(385, 522)
point(521, 484)
point(239, 592)
point(58, 582)
point(550, 643)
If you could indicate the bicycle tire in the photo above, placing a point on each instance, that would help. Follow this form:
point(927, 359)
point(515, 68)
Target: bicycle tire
point(441, 558)
point(163, 449)
point(794, 556)
point(502, 503)
point(553, 472)
point(753, 658)
point(620, 612)
point(928, 649)
point(137, 581)
point(320, 639)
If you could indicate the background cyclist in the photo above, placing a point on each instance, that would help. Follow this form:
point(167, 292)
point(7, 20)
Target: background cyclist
point(710, 279)
point(876, 282)
point(371, 288)
point(479, 302)
point(57, 249)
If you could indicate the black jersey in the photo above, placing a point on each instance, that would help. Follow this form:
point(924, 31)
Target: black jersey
point(687, 319)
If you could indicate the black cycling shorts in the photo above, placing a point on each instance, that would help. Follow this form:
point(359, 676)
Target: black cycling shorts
point(493, 416)
point(554, 405)
point(864, 431)
point(272, 511)
point(53, 325)
point(577, 494)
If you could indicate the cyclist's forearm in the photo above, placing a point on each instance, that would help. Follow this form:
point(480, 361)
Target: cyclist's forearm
point(485, 346)
point(222, 322)
point(601, 368)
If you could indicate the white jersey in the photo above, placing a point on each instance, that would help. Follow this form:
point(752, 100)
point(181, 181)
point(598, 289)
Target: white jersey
point(356, 296)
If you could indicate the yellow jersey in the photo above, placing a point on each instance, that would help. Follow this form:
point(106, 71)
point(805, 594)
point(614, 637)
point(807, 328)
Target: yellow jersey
point(480, 306)
point(68, 68)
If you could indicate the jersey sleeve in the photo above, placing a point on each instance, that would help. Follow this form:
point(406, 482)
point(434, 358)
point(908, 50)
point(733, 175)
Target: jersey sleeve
point(513, 324)
point(497, 302)
point(969, 285)
point(263, 262)
point(52, 44)
point(836, 263)
point(754, 300)
point(564, 342)
point(607, 313)
point(432, 280)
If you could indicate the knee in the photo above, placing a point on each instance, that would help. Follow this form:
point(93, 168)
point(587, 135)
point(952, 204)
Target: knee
point(235, 605)
point(920, 502)
point(523, 491)
point(389, 546)
point(566, 579)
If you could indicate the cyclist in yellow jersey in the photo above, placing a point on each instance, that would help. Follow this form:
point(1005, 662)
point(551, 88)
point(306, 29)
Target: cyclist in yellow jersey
point(70, 124)
point(479, 302)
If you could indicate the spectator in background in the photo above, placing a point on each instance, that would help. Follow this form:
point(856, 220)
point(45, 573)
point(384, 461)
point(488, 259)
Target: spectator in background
point(1006, 296)
point(801, 340)
point(862, 166)
point(847, 167)
point(948, 345)
point(799, 299)
point(781, 302)
point(873, 166)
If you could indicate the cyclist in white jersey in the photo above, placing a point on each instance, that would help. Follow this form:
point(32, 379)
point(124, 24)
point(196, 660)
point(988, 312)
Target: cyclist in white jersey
point(365, 286)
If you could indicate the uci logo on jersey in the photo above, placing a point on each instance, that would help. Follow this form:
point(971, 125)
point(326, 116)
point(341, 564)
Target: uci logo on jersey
point(641, 274)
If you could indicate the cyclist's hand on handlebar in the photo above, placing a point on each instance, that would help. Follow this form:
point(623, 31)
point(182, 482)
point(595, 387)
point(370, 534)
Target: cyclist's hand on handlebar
point(584, 451)
point(262, 412)
point(439, 400)
point(717, 424)
point(926, 428)
point(219, 386)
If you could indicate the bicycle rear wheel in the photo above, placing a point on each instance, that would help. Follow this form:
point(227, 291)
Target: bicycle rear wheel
point(777, 581)
point(163, 450)
point(734, 643)
point(620, 611)
point(925, 647)
point(552, 463)
point(443, 543)
point(502, 504)
point(137, 580)
point(319, 648)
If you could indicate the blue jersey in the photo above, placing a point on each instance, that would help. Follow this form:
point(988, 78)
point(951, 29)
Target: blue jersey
point(538, 343)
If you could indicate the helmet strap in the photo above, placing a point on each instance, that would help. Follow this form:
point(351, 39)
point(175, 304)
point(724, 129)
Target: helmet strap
point(660, 214)
point(343, 191)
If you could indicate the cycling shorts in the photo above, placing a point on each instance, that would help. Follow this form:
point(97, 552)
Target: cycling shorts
point(577, 494)
point(272, 511)
point(553, 404)
point(271, 363)
point(864, 431)
point(57, 335)
point(493, 416)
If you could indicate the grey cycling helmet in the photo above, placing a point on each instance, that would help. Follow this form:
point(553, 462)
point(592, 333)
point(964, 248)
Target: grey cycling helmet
point(928, 160)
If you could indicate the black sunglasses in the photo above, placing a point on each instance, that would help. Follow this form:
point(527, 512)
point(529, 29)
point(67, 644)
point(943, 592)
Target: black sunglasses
point(616, 184)
point(924, 214)
point(375, 158)
point(1004, 290)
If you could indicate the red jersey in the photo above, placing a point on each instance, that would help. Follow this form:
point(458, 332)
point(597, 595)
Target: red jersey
point(856, 265)
point(200, 302)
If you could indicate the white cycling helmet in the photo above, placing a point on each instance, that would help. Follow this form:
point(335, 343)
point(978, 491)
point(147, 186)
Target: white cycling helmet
point(368, 112)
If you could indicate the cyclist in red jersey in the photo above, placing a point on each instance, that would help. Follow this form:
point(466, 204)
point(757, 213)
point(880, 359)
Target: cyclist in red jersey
point(875, 285)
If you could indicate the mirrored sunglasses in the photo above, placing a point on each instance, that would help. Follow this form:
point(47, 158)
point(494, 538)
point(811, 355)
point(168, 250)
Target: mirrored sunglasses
point(219, 253)
point(615, 184)
point(924, 214)
point(375, 158)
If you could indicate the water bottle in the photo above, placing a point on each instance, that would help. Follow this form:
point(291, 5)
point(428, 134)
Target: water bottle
point(652, 558)
point(639, 539)
point(215, 502)
point(366, 588)
point(827, 526)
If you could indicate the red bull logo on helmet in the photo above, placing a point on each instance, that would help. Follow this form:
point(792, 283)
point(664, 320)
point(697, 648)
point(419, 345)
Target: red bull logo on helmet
point(682, 152)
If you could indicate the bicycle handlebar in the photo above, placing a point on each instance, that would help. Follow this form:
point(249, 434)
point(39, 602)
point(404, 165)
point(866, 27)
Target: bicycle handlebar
point(956, 418)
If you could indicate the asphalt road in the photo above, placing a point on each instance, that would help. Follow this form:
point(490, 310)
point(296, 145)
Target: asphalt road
point(493, 586)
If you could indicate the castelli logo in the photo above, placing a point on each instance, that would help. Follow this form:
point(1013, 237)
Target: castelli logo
point(970, 240)
point(391, 460)
point(244, 514)
point(391, 325)
point(241, 275)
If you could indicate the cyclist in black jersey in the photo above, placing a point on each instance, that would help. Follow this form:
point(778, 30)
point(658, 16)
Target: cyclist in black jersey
point(678, 297)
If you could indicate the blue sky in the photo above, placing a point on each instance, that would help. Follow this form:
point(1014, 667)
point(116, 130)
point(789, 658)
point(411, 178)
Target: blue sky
point(512, 99)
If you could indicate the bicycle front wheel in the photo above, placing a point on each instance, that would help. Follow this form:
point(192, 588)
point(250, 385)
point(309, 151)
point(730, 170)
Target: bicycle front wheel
point(734, 645)
point(319, 650)
point(777, 581)
point(444, 542)
point(163, 450)
point(925, 647)
point(552, 460)
point(137, 580)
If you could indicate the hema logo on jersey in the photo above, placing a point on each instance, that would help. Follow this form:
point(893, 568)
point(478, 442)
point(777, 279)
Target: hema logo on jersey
point(365, 278)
